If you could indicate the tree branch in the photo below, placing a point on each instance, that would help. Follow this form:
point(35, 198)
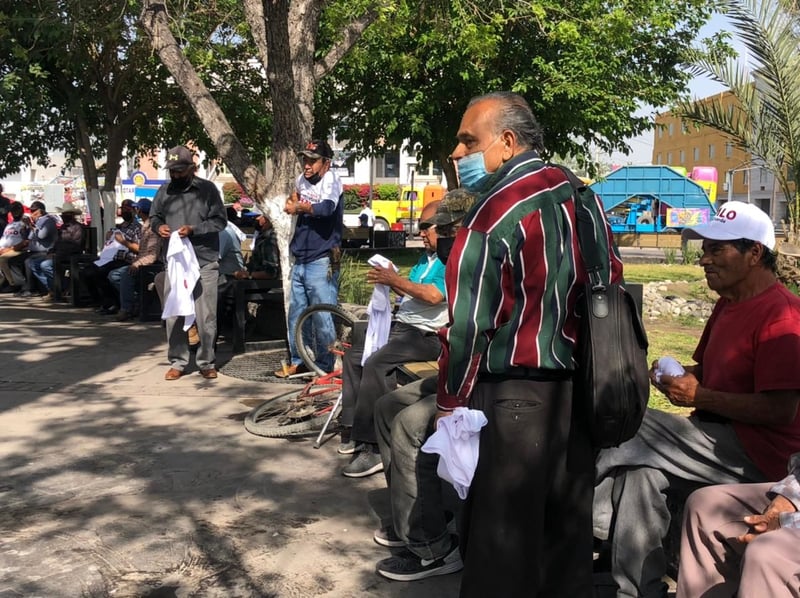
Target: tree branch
point(254, 13)
point(154, 21)
point(349, 37)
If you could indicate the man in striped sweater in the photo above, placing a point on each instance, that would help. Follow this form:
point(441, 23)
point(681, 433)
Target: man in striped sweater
point(512, 281)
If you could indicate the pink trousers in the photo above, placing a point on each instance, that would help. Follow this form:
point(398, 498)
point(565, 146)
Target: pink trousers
point(714, 564)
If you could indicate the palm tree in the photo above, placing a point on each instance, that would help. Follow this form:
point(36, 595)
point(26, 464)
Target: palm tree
point(765, 119)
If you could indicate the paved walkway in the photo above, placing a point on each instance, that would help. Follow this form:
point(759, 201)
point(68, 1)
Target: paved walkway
point(115, 482)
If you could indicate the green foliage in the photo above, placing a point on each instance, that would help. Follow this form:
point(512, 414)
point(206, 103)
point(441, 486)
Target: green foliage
point(585, 70)
point(354, 195)
point(231, 192)
point(353, 286)
point(387, 192)
point(82, 69)
point(671, 255)
point(765, 121)
point(691, 254)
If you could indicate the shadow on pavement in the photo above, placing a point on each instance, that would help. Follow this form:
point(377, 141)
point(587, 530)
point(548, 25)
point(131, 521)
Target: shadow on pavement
point(116, 482)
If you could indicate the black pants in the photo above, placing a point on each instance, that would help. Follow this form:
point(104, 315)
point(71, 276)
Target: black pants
point(527, 523)
point(96, 278)
point(363, 385)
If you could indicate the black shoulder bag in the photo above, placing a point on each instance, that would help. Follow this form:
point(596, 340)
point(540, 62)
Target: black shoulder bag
point(611, 377)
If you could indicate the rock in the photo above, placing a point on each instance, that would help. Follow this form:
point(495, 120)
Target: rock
point(658, 302)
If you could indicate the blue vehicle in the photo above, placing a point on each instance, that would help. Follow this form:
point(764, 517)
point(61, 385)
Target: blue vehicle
point(652, 199)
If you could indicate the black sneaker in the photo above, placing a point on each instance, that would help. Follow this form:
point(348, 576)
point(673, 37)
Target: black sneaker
point(409, 567)
point(365, 462)
point(386, 536)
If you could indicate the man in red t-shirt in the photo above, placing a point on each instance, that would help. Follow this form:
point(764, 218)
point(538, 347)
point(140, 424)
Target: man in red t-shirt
point(744, 388)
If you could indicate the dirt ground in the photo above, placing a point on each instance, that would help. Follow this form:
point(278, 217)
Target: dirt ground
point(117, 483)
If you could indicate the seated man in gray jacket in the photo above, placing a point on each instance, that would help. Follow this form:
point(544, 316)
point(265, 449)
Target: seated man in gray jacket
point(41, 240)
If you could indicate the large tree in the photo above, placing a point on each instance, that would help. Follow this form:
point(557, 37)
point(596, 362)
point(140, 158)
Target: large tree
point(285, 34)
point(585, 67)
point(765, 120)
point(79, 77)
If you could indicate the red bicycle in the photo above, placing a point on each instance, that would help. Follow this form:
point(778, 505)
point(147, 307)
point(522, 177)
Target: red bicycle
point(312, 408)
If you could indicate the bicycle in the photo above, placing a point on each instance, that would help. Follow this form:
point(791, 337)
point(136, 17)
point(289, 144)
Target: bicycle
point(311, 345)
point(312, 408)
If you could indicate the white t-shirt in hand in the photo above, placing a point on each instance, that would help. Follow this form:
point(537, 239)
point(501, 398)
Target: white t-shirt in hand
point(367, 217)
point(14, 234)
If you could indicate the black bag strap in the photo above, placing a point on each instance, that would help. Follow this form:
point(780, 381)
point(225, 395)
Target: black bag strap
point(593, 249)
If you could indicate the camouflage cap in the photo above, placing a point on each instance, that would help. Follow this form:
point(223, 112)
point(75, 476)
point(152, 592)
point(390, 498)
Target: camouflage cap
point(454, 207)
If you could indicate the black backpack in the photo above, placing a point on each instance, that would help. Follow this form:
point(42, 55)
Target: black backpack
point(611, 380)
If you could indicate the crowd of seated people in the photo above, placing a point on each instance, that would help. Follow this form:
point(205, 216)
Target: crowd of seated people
point(30, 243)
point(34, 243)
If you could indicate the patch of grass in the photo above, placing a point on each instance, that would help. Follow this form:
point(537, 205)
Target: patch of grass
point(353, 285)
point(643, 273)
point(676, 340)
point(692, 254)
point(671, 255)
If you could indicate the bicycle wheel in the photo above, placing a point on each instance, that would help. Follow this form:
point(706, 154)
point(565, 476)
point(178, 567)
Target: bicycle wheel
point(294, 413)
point(322, 334)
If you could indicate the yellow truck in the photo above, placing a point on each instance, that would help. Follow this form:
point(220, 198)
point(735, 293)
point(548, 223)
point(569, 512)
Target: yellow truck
point(400, 214)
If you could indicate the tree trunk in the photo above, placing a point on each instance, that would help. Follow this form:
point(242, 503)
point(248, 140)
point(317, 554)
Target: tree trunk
point(285, 33)
point(117, 137)
point(154, 20)
point(83, 141)
point(449, 170)
point(269, 195)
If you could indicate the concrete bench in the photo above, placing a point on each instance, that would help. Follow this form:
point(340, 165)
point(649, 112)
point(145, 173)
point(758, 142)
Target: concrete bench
point(258, 291)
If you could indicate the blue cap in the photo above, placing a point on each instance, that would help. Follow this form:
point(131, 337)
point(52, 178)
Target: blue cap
point(144, 205)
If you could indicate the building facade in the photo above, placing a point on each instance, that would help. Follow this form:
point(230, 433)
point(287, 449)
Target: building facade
point(682, 143)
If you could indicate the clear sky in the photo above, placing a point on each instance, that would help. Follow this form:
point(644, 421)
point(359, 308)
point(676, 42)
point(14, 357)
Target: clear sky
point(700, 87)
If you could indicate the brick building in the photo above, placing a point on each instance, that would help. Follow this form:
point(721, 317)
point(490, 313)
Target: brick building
point(682, 143)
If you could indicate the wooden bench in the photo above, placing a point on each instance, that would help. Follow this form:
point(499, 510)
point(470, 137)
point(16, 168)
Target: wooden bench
point(417, 370)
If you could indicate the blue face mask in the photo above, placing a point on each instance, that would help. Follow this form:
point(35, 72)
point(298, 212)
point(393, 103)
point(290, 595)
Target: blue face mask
point(472, 171)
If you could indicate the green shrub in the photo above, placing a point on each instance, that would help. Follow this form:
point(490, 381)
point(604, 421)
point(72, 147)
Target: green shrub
point(353, 194)
point(691, 254)
point(231, 192)
point(353, 285)
point(671, 255)
point(387, 192)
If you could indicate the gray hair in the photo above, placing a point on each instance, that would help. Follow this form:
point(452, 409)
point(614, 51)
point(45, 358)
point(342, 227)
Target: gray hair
point(514, 114)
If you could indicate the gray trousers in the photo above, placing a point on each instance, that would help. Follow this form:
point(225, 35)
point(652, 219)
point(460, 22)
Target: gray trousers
point(403, 422)
point(363, 385)
point(205, 306)
point(715, 565)
point(630, 502)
